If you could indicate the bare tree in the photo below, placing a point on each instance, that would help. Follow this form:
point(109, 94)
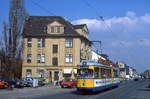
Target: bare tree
point(11, 43)
point(17, 16)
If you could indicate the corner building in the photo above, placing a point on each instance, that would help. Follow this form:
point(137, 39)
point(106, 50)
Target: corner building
point(53, 47)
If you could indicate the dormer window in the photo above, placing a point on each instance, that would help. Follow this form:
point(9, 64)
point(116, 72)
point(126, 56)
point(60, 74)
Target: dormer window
point(55, 29)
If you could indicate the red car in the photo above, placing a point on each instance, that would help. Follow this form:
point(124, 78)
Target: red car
point(3, 84)
point(68, 84)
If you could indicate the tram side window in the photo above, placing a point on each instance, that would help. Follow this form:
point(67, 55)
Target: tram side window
point(85, 72)
point(116, 74)
point(96, 73)
point(105, 73)
point(108, 73)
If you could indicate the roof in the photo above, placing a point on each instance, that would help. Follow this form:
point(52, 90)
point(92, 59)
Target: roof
point(93, 63)
point(79, 26)
point(35, 27)
point(88, 63)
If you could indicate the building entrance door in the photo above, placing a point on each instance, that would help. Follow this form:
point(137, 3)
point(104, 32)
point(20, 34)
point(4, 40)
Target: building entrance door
point(56, 77)
point(50, 77)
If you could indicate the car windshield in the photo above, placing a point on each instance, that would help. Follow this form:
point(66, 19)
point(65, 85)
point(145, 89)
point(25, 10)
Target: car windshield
point(85, 72)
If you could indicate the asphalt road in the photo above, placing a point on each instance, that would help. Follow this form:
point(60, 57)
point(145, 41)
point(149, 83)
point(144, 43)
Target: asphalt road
point(128, 90)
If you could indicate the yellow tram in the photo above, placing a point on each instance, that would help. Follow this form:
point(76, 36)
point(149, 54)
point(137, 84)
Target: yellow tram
point(93, 76)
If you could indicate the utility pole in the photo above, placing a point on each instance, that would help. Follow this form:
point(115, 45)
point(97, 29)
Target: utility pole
point(98, 45)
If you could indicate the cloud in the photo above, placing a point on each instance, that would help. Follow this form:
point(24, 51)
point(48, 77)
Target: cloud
point(144, 42)
point(131, 14)
point(129, 19)
point(91, 23)
point(127, 28)
point(123, 38)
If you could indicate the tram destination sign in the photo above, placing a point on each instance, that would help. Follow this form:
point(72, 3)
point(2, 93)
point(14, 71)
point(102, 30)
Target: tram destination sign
point(84, 65)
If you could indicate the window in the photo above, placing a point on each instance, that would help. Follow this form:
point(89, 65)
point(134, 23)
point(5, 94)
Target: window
point(105, 73)
point(55, 61)
point(40, 72)
point(40, 58)
point(41, 42)
point(29, 58)
point(55, 48)
point(68, 58)
point(29, 42)
point(69, 43)
point(55, 29)
point(97, 73)
point(84, 72)
point(115, 74)
point(28, 73)
point(43, 58)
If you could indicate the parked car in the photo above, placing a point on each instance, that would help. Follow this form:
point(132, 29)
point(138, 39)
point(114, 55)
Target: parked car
point(14, 83)
point(3, 84)
point(28, 82)
point(68, 84)
point(19, 83)
point(135, 79)
point(41, 82)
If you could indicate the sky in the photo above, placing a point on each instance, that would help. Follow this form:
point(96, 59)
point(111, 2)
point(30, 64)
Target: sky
point(125, 31)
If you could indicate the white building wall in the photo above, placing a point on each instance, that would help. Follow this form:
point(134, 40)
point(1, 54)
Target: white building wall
point(96, 56)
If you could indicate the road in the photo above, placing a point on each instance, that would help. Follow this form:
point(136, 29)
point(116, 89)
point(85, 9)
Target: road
point(128, 90)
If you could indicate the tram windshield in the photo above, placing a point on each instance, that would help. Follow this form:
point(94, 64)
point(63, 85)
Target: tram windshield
point(85, 72)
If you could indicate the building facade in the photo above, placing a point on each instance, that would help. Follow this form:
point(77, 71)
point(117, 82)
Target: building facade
point(53, 47)
point(123, 72)
point(127, 72)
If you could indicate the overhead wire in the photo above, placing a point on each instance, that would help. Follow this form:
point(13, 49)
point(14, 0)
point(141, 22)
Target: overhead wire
point(43, 8)
point(102, 19)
